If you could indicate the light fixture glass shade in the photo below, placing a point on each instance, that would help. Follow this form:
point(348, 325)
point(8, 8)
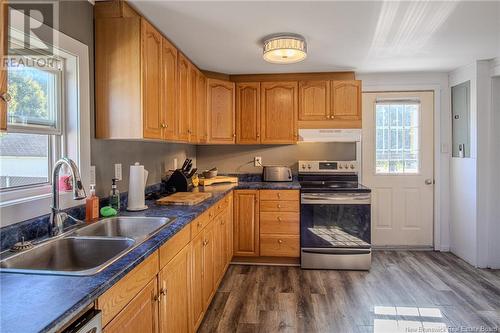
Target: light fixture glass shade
point(285, 49)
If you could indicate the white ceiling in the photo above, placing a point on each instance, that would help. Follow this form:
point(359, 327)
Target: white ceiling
point(368, 36)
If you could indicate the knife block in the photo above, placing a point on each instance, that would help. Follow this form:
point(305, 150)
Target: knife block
point(179, 182)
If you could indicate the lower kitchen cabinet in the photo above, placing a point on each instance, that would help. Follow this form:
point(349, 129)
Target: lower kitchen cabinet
point(197, 303)
point(175, 289)
point(208, 264)
point(246, 223)
point(140, 315)
point(170, 291)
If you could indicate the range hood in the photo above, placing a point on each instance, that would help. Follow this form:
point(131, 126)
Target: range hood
point(329, 135)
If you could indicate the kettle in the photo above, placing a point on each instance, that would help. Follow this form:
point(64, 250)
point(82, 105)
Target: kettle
point(137, 187)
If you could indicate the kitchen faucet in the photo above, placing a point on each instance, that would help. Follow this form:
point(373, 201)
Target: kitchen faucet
point(57, 217)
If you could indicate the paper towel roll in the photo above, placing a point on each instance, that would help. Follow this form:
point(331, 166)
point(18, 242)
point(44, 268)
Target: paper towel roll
point(136, 188)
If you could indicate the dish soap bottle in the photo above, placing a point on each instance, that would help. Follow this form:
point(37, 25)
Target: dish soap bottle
point(92, 206)
point(114, 196)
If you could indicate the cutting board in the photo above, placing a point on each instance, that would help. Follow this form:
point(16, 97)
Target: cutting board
point(218, 179)
point(184, 198)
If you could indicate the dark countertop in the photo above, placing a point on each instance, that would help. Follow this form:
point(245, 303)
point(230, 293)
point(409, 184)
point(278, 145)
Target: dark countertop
point(41, 303)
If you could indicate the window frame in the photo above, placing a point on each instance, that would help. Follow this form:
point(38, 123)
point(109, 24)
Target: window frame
point(398, 101)
point(26, 203)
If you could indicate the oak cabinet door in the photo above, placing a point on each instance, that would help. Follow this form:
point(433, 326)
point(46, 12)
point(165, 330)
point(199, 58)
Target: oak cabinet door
point(169, 90)
point(140, 315)
point(279, 112)
point(248, 112)
point(246, 223)
point(314, 100)
point(183, 107)
point(193, 105)
point(3, 69)
point(219, 259)
point(221, 111)
point(175, 290)
point(346, 100)
point(229, 229)
point(201, 107)
point(208, 264)
point(151, 81)
point(197, 301)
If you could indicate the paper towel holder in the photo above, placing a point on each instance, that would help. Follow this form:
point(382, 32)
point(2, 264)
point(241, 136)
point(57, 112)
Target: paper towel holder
point(137, 187)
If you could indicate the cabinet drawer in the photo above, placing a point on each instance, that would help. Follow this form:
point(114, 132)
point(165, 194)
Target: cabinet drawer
point(279, 195)
point(115, 299)
point(279, 206)
point(279, 223)
point(221, 205)
point(279, 246)
point(200, 222)
point(174, 245)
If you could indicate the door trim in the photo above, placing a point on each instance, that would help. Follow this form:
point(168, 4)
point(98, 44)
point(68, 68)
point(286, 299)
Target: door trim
point(441, 217)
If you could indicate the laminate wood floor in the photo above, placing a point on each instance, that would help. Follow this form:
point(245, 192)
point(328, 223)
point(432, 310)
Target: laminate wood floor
point(405, 291)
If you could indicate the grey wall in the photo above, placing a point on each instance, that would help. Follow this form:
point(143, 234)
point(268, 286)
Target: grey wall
point(239, 158)
point(76, 21)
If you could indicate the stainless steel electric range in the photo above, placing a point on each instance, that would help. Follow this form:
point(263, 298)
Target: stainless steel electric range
point(335, 216)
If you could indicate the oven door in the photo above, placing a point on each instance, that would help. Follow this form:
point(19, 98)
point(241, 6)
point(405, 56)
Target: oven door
point(335, 220)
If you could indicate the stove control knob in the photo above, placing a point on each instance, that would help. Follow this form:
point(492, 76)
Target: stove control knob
point(309, 166)
point(303, 166)
point(340, 166)
point(352, 166)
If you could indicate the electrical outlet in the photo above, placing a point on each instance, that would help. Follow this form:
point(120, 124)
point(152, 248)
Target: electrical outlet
point(92, 174)
point(257, 161)
point(118, 171)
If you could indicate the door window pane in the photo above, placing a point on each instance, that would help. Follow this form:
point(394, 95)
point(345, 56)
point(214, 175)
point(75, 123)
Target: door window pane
point(24, 159)
point(397, 137)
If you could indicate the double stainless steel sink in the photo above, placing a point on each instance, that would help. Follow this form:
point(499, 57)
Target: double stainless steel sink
point(86, 250)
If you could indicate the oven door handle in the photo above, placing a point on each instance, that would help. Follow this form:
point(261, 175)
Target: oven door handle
point(338, 251)
point(332, 200)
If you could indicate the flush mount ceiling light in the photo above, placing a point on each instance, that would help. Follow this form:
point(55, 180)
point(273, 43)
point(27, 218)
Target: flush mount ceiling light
point(285, 49)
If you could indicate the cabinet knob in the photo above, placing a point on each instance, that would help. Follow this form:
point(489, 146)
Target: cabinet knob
point(163, 125)
point(6, 97)
point(234, 135)
point(199, 224)
point(156, 298)
point(205, 242)
point(280, 241)
point(279, 195)
point(163, 292)
point(258, 135)
point(279, 206)
point(279, 218)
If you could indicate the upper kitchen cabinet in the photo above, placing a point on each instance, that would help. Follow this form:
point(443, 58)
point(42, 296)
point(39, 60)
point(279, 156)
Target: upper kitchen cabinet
point(193, 104)
point(346, 100)
point(279, 112)
point(201, 107)
point(4, 97)
point(184, 97)
point(135, 76)
point(169, 91)
point(248, 112)
point(151, 55)
point(330, 104)
point(314, 100)
point(221, 120)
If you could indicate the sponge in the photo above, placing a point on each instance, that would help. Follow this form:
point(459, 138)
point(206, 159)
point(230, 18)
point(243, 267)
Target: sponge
point(108, 211)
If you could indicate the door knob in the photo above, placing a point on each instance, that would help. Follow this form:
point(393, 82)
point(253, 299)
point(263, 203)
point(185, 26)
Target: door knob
point(429, 182)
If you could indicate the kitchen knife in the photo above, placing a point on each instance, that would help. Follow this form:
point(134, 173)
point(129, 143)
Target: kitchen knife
point(191, 174)
point(184, 165)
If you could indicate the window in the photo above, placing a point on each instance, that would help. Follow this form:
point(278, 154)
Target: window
point(397, 137)
point(34, 137)
point(58, 125)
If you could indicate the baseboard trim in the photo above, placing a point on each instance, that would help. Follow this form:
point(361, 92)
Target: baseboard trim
point(403, 248)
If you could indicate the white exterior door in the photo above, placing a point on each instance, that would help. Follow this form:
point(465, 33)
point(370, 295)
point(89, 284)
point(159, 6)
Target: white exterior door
point(398, 165)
